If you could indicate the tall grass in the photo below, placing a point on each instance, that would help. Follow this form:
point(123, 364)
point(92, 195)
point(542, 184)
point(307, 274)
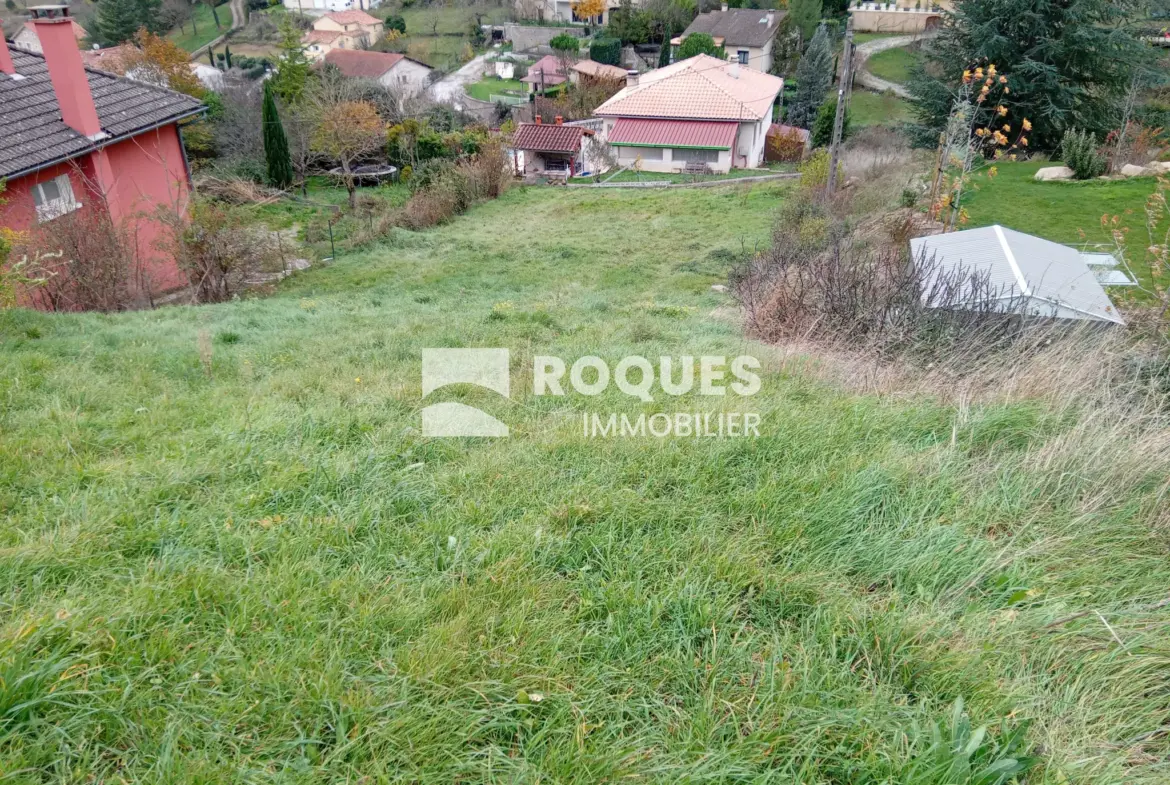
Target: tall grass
point(250, 566)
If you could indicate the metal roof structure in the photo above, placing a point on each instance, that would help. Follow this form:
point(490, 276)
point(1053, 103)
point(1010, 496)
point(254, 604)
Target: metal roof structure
point(637, 132)
point(1040, 277)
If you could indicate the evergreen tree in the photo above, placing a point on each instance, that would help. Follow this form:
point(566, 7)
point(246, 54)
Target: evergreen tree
point(814, 77)
point(1068, 63)
point(664, 52)
point(700, 44)
point(292, 70)
point(805, 15)
point(227, 56)
point(822, 130)
point(119, 20)
point(276, 155)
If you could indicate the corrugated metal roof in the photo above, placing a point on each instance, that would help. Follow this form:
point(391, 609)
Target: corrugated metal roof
point(1045, 278)
point(673, 133)
point(32, 133)
point(548, 138)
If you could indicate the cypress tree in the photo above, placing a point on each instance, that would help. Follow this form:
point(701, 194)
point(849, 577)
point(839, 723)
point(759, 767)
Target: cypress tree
point(664, 52)
point(227, 55)
point(814, 77)
point(276, 156)
point(211, 57)
point(1068, 64)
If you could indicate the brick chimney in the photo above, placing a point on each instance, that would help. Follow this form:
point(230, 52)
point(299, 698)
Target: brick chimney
point(6, 66)
point(538, 120)
point(560, 120)
point(771, 17)
point(66, 72)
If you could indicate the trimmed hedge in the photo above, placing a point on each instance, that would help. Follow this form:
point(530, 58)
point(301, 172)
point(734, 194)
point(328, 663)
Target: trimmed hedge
point(606, 50)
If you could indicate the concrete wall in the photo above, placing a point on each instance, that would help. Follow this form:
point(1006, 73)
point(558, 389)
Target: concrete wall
point(525, 37)
point(908, 22)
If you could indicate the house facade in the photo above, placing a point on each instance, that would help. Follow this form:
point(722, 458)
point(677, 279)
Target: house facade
point(558, 150)
point(899, 16)
point(398, 73)
point(545, 73)
point(746, 34)
point(319, 7)
point(342, 30)
point(699, 111)
point(562, 11)
point(78, 142)
point(27, 39)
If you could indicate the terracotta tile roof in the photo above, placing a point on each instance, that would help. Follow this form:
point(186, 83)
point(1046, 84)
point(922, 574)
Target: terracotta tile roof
point(550, 67)
point(111, 59)
point(321, 36)
point(599, 70)
point(78, 31)
point(698, 88)
point(673, 133)
point(362, 65)
point(352, 17)
point(32, 134)
point(549, 138)
point(738, 26)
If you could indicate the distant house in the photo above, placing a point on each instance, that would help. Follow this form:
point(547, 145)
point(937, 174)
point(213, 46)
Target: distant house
point(543, 74)
point(399, 73)
point(27, 39)
point(745, 34)
point(319, 7)
point(590, 71)
point(1018, 272)
point(697, 111)
point(84, 142)
point(899, 16)
point(342, 30)
point(562, 11)
point(557, 149)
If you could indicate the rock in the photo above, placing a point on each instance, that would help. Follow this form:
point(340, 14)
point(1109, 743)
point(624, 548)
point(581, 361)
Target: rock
point(1050, 173)
point(1161, 167)
point(1129, 170)
point(718, 287)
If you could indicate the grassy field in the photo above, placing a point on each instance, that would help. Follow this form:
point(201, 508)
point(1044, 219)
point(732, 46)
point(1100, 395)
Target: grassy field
point(438, 35)
point(1068, 213)
point(483, 90)
point(187, 37)
point(893, 65)
point(869, 108)
point(228, 555)
point(629, 176)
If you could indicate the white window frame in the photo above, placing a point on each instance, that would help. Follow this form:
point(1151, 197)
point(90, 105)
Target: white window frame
point(65, 203)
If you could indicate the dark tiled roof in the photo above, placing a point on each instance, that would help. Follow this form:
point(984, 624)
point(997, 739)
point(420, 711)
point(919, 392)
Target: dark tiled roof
point(548, 138)
point(738, 26)
point(32, 134)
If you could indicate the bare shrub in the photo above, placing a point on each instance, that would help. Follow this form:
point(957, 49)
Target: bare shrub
point(442, 190)
point(217, 248)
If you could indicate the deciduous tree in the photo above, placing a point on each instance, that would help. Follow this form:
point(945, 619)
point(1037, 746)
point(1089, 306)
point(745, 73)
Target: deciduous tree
point(160, 61)
point(588, 9)
point(347, 131)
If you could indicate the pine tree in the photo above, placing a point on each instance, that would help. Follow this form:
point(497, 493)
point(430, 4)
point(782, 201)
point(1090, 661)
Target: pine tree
point(276, 155)
point(118, 21)
point(292, 70)
point(1068, 63)
point(814, 77)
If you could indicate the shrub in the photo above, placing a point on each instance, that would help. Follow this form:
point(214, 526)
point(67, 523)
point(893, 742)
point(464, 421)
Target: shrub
point(396, 22)
point(788, 147)
point(822, 130)
point(700, 44)
point(814, 172)
point(606, 50)
point(565, 43)
point(1079, 150)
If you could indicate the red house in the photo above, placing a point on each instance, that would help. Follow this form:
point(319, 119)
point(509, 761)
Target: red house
point(75, 139)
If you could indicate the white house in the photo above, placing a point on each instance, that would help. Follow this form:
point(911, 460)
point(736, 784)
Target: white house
point(698, 110)
point(399, 73)
point(342, 30)
point(319, 7)
point(746, 34)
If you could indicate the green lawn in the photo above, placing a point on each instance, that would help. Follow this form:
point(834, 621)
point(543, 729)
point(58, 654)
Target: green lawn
point(227, 553)
point(869, 108)
point(483, 90)
point(1063, 212)
point(629, 176)
point(893, 65)
point(190, 40)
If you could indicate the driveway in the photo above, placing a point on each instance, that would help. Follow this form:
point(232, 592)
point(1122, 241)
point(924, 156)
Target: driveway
point(870, 48)
point(450, 87)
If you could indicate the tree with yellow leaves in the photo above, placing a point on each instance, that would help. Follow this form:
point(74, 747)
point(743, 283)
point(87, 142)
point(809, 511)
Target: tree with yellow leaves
point(588, 10)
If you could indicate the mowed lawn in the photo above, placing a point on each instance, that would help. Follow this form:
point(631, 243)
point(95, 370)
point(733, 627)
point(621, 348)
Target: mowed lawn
point(893, 65)
point(867, 108)
point(227, 553)
point(192, 36)
point(486, 88)
point(1064, 212)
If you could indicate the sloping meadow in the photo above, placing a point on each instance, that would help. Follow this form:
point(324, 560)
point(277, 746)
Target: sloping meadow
point(227, 552)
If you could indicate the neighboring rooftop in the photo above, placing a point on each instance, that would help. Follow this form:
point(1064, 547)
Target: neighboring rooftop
point(32, 134)
point(363, 65)
point(738, 26)
point(321, 36)
point(698, 88)
point(549, 138)
point(545, 71)
point(599, 70)
point(1023, 272)
point(352, 17)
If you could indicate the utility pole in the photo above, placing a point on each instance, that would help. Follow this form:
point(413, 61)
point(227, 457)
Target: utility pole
point(844, 85)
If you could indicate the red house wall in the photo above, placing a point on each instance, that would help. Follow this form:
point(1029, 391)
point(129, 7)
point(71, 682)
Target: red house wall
point(148, 171)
